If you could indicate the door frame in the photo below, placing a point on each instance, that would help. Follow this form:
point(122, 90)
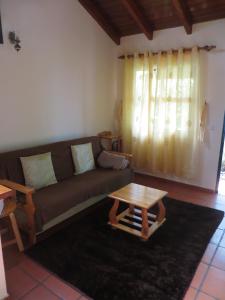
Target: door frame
point(222, 148)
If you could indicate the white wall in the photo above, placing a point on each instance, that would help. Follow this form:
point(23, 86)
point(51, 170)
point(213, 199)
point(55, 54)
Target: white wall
point(210, 33)
point(60, 85)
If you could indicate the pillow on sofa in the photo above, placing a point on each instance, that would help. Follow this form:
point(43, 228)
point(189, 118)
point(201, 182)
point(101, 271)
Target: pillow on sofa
point(38, 170)
point(83, 158)
point(111, 160)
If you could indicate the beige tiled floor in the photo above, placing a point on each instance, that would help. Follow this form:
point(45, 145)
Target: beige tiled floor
point(209, 280)
point(28, 281)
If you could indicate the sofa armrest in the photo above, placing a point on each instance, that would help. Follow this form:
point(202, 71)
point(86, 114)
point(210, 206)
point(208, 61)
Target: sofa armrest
point(128, 156)
point(28, 206)
point(16, 186)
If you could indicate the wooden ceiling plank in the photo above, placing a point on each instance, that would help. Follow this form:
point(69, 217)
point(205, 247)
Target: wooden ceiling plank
point(99, 17)
point(183, 15)
point(138, 17)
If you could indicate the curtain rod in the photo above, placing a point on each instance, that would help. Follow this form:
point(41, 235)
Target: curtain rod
point(205, 48)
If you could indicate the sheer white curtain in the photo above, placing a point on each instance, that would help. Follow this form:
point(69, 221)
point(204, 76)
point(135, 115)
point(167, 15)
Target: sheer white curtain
point(162, 105)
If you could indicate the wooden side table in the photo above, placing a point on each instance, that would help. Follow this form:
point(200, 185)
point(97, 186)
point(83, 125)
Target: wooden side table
point(114, 141)
point(9, 197)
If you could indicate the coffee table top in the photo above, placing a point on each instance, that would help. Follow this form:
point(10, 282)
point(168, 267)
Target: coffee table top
point(139, 195)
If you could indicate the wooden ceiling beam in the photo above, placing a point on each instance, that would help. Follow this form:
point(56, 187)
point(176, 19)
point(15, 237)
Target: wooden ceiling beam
point(183, 14)
point(96, 12)
point(138, 17)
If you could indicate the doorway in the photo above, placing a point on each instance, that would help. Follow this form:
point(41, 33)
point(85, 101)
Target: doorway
point(221, 168)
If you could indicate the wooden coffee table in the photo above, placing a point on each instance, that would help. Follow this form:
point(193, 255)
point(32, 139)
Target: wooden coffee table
point(136, 219)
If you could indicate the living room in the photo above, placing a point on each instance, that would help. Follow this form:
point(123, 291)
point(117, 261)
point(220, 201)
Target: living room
point(150, 76)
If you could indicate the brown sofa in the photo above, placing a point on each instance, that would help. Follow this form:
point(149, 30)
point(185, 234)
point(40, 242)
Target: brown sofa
point(71, 194)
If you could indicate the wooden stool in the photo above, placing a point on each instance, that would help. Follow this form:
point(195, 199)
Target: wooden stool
point(136, 219)
point(9, 198)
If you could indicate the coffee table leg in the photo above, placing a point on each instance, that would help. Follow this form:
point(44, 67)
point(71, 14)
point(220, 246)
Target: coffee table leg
point(113, 212)
point(145, 227)
point(162, 211)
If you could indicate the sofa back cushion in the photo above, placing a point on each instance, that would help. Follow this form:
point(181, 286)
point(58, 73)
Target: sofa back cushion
point(11, 168)
point(83, 158)
point(112, 160)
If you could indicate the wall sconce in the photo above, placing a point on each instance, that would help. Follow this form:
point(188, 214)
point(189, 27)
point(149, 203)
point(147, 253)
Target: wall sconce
point(14, 40)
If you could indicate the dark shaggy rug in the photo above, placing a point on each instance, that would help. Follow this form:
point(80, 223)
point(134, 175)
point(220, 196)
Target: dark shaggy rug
point(110, 264)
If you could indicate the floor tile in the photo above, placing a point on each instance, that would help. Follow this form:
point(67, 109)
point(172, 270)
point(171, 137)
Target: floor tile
point(61, 289)
point(18, 282)
point(222, 243)
point(217, 236)
point(190, 295)
point(12, 257)
point(219, 258)
point(34, 270)
point(40, 293)
point(209, 252)
point(222, 224)
point(203, 296)
point(214, 283)
point(199, 275)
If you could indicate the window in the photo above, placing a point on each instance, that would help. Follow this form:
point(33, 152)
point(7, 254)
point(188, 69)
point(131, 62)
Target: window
point(161, 102)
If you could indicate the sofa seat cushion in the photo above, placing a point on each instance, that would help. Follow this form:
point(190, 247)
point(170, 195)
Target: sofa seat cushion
point(56, 199)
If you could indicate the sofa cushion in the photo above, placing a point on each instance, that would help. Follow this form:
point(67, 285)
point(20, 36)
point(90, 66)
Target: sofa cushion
point(56, 199)
point(2, 171)
point(112, 160)
point(83, 158)
point(38, 170)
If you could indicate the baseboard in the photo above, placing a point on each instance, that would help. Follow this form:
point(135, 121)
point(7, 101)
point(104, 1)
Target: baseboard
point(196, 187)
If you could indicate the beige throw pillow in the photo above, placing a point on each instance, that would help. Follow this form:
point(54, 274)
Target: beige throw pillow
point(83, 158)
point(38, 170)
